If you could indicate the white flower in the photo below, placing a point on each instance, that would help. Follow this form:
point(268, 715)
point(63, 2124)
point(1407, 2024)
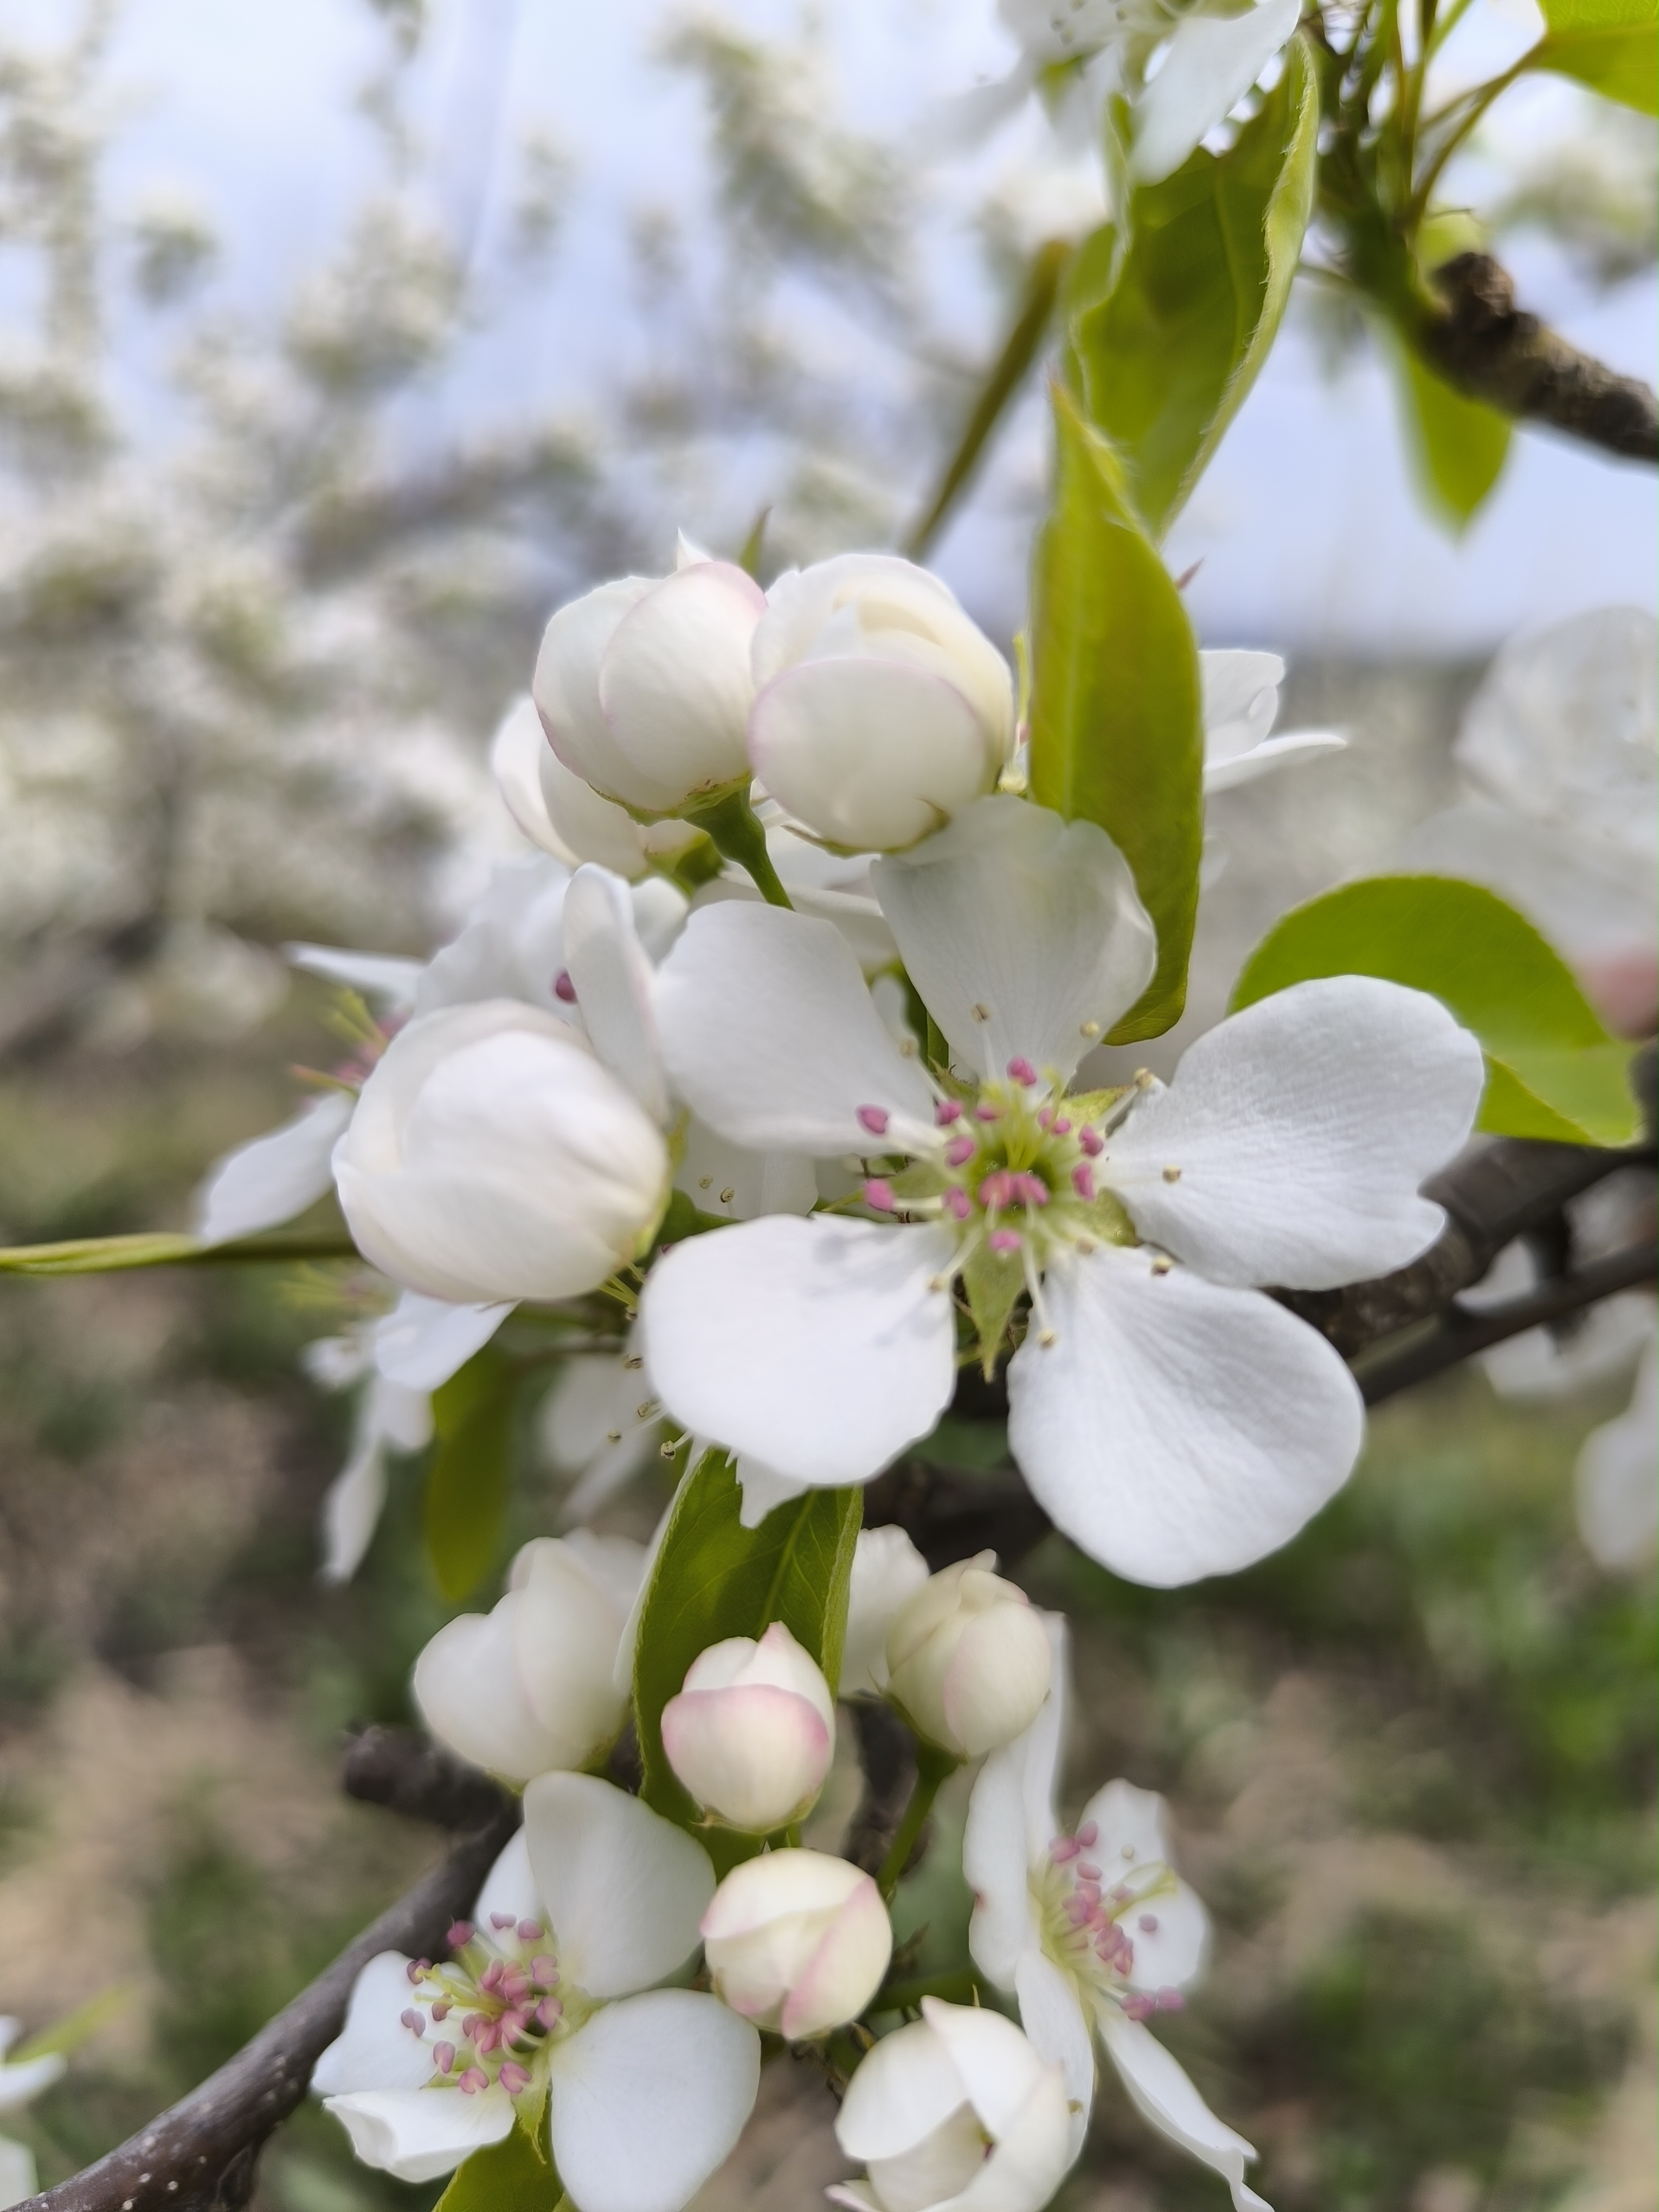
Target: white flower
point(531, 1687)
point(390, 1417)
point(967, 1659)
point(565, 816)
point(880, 710)
point(752, 1731)
point(596, 1899)
point(1093, 1932)
point(887, 1569)
point(797, 1942)
point(1173, 1420)
point(492, 1157)
point(1241, 701)
point(19, 2084)
point(1617, 1491)
point(275, 1176)
point(954, 2113)
point(644, 687)
point(599, 1426)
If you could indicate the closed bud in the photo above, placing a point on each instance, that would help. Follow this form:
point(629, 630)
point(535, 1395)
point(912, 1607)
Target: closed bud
point(967, 1659)
point(492, 1157)
point(797, 1942)
point(531, 1687)
point(566, 816)
point(644, 686)
point(881, 711)
point(958, 2102)
point(752, 1732)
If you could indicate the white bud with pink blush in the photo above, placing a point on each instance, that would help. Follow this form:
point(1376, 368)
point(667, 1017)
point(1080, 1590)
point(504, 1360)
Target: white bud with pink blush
point(752, 1732)
point(644, 686)
point(797, 1942)
point(967, 1659)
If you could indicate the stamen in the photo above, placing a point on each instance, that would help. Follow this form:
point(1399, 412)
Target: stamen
point(957, 1202)
point(1161, 1266)
point(1083, 1180)
point(1147, 1924)
point(879, 1195)
point(563, 988)
point(1004, 1241)
point(875, 1119)
point(1172, 1175)
point(960, 1151)
point(1022, 1072)
point(1092, 1142)
point(472, 2080)
point(413, 2020)
point(513, 2078)
point(1090, 1029)
point(499, 1920)
point(985, 1112)
point(980, 1013)
point(947, 1110)
point(443, 2056)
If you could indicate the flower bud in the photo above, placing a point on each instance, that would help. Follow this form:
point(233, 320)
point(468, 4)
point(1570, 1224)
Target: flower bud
point(881, 710)
point(797, 1942)
point(959, 2093)
point(887, 1569)
point(644, 687)
point(967, 1659)
point(492, 1157)
point(530, 1688)
point(752, 1732)
point(566, 816)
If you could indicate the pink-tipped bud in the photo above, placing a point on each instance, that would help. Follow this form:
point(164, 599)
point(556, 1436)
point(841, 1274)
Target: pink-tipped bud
point(752, 1732)
point(960, 1151)
point(879, 1195)
point(875, 1119)
point(1004, 1241)
point(957, 1202)
point(460, 1935)
point(797, 1942)
point(1083, 1180)
point(1021, 1071)
point(443, 2056)
point(947, 1110)
point(563, 988)
point(514, 2078)
point(1092, 1142)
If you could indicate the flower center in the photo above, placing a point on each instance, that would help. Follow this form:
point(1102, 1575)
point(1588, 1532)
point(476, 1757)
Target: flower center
point(496, 2009)
point(1090, 1914)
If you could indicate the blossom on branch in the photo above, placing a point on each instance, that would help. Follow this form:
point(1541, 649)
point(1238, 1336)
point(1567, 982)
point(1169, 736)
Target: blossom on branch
point(753, 1731)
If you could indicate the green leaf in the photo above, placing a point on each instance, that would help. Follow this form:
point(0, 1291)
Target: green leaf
point(1611, 45)
point(714, 1578)
point(1552, 1070)
point(469, 1478)
point(1458, 445)
point(107, 1256)
point(513, 2176)
point(1117, 731)
point(1166, 339)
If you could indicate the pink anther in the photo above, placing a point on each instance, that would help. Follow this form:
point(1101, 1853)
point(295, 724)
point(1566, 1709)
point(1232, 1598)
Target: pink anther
point(880, 1195)
point(985, 1112)
point(960, 1151)
point(1004, 1240)
point(545, 1969)
point(500, 1920)
point(875, 1119)
point(998, 1189)
point(549, 2013)
point(529, 1931)
point(472, 2080)
point(1021, 1071)
point(957, 1202)
point(947, 1110)
point(1088, 1835)
point(1147, 1924)
point(1027, 1190)
point(563, 988)
point(514, 2078)
point(443, 2056)
point(459, 1936)
point(1083, 1180)
point(1092, 1142)
point(1060, 1127)
point(1064, 1848)
point(1171, 2001)
point(441, 2010)
point(413, 2021)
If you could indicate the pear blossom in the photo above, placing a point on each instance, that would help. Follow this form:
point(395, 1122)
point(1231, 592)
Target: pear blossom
point(752, 1732)
point(1173, 1420)
point(954, 2112)
point(880, 710)
point(532, 1687)
point(549, 1997)
point(20, 2081)
point(644, 687)
point(967, 1659)
point(390, 1417)
point(275, 1176)
point(1240, 704)
point(798, 1941)
point(599, 1426)
point(1092, 1930)
point(887, 1569)
point(564, 815)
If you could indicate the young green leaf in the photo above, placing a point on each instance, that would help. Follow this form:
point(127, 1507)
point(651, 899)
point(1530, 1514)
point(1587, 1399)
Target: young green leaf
point(469, 1479)
point(1552, 1070)
point(1458, 445)
point(1166, 339)
point(1611, 45)
point(714, 1578)
point(513, 2176)
point(165, 1248)
point(1117, 735)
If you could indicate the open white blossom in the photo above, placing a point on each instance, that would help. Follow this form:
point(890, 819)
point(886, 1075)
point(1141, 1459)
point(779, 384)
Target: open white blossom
point(954, 2113)
point(550, 1994)
point(1172, 1419)
point(1093, 1931)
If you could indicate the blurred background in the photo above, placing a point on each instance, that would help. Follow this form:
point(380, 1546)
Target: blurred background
point(338, 344)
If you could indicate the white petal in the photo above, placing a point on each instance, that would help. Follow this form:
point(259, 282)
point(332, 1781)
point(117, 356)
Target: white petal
point(1170, 1952)
point(712, 1166)
point(904, 2088)
point(1051, 2011)
point(612, 980)
point(19, 2084)
point(510, 946)
point(1162, 2092)
point(510, 1886)
point(374, 2050)
point(1212, 62)
point(674, 679)
point(998, 2066)
point(418, 2134)
point(18, 2178)
point(1301, 1129)
point(1019, 931)
point(763, 1490)
point(1013, 1819)
point(770, 1035)
point(1617, 1486)
point(516, 753)
point(566, 688)
point(1241, 699)
point(821, 1346)
point(855, 916)
point(376, 975)
point(353, 1505)
point(648, 2099)
point(1176, 1429)
point(424, 1341)
point(887, 1569)
point(472, 1696)
point(275, 1176)
point(625, 1889)
point(1031, 2158)
point(1272, 752)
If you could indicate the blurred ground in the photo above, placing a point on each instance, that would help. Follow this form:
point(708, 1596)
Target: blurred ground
point(1412, 1758)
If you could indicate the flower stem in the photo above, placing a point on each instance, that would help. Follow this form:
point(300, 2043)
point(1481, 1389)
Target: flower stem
point(933, 1767)
point(731, 823)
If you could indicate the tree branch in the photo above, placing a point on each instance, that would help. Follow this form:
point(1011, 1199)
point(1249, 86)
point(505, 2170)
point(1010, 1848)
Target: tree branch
point(1492, 349)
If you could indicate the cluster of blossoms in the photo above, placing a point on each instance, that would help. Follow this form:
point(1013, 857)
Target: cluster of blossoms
point(776, 1070)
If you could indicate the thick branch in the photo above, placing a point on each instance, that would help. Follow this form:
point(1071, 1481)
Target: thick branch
point(200, 2155)
point(1493, 351)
